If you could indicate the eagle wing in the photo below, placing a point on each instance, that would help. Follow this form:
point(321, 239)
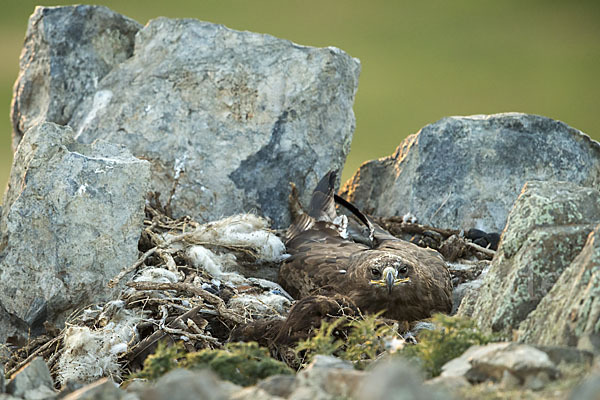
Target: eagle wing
point(319, 259)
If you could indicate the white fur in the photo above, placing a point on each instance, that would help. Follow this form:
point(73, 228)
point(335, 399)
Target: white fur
point(90, 354)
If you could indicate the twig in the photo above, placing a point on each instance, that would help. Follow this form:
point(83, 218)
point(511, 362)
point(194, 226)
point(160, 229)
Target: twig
point(481, 249)
point(37, 352)
point(114, 281)
point(186, 287)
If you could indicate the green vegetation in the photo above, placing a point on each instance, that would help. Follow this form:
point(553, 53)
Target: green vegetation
point(241, 363)
point(357, 340)
point(362, 340)
point(453, 336)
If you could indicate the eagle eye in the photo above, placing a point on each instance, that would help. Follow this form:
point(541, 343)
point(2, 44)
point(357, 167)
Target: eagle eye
point(375, 272)
point(403, 270)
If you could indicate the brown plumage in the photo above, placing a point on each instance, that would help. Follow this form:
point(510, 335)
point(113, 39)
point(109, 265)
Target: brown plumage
point(333, 271)
point(381, 274)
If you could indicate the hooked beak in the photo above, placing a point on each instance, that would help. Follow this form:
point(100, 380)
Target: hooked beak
point(389, 276)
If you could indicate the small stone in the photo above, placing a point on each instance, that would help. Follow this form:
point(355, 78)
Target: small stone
point(40, 393)
point(30, 377)
point(253, 393)
point(278, 385)
point(330, 362)
point(509, 380)
point(182, 384)
point(102, 389)
point(589, 389)
point(398, 379)
point(537, 381)
point(451, 383)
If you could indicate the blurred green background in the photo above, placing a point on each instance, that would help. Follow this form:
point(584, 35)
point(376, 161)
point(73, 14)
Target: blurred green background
point(421, 60)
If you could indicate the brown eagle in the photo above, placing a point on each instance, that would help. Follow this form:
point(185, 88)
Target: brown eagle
point(374, 270)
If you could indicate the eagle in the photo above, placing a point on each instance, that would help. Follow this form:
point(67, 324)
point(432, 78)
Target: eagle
point(373, 270)
point(339, 267)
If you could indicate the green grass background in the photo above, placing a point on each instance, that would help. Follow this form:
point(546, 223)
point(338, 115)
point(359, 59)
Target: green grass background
point(421, 60)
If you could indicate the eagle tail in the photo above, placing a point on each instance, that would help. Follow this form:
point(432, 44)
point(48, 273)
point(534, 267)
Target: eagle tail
point(322, 204)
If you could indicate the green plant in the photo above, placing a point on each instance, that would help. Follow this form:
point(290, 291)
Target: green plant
point(363, 340)
point(164, 359)
point(241, 363)
point(322, 342)
point(451, 338)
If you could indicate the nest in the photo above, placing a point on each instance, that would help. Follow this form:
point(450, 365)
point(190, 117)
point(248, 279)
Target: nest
point(194, 283)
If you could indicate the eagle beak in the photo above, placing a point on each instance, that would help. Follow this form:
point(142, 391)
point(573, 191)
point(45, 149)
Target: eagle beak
point(389, 276)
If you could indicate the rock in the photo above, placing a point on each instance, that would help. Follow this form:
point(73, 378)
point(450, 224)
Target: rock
point(567, 355)
point(569, 314)
point(252, 393)
point(506, 362)
point(102, 389)
point(326, 377)
point(67, 51)
point(450, 383)
point(30, 378)
point(466, 172)
point(328, 362)
point(546, 229)
point(40, 393)
point(396, 380)
point(589, 389)
point(2, 384)
point(226, 118)
point(182, 384)
point(466, 278)
point(278, 385)
point(71, 221)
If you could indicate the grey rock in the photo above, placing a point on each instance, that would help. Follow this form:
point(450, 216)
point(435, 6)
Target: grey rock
point(252, 393)
point(546, 229)
point(182, 384)
point(2, 383)
point(589, 389)
point(40, 393)
point(326, 378)
point(278, 385)
point(504, 362)
point(29, 378)
point(474, 275)
point(567, 355)
point(330, 362)
point(466, 172)
point(102, 389)
point(569, 314)
point(450, 383)
point(71, 221)
point(226, 118)
point(398, 380)
point(67, 51)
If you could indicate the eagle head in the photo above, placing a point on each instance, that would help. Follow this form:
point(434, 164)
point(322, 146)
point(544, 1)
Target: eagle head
point(388, 271)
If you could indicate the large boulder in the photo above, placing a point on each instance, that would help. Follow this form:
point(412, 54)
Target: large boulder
point(570, 313)
point(71, 220)
point(226, 118)
point(67, 50)
point(466, 172)
point(546, 230)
